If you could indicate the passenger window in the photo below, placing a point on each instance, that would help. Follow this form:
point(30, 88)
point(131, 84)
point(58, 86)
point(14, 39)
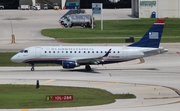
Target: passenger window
point(66, 51)
point(118, 51)
point(88, 51)
point(53, 51)
point(70, 51)
point(74, 51)
point(79, 51)
point(62, 51)
point(114, 51)
point(101, 51)
point(58, 52)
point(49, 51)
point(84, 51)
point(45, 51)
point(92, 51)
point(96, 51)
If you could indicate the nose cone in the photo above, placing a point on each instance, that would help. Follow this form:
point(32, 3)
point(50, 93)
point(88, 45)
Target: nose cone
point(14, 59)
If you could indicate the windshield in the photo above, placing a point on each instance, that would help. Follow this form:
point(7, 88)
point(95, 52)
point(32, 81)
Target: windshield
point(23, 51)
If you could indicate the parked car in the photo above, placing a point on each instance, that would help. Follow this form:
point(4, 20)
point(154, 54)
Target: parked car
point(38, 6)
point(45, 6)
point(1, 6)
point(25, 7)
point(56, 6)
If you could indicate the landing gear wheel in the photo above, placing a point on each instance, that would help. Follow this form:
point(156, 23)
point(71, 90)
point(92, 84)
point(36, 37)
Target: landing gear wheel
point(32, 67)
point(88, 68)
point(65, 26)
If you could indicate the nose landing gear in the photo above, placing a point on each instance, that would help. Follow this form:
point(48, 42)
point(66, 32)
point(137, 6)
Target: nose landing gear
point(32, 67)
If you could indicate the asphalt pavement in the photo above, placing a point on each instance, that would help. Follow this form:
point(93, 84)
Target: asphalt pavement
point(155, 82)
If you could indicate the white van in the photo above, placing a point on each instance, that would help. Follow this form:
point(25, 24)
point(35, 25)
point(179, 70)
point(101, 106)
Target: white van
point(83, 20)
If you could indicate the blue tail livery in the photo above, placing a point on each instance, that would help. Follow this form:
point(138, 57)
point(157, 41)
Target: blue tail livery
point(152, 37)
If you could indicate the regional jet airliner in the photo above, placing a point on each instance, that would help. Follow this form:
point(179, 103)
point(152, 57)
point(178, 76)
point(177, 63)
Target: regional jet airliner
point(75, 56)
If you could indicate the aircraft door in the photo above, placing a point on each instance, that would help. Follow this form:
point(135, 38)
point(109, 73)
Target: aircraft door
point(38, 52)
point(122, 54)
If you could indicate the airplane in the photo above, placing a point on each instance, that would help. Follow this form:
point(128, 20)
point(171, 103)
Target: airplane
point(74, 56)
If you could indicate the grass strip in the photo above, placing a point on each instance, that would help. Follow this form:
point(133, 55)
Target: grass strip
point(27, 96)
point(115, 40)
point(120, 29)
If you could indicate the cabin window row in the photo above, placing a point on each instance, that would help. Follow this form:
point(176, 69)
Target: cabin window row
point(80, 52)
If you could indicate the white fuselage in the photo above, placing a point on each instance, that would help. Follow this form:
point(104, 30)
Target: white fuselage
point(56, 54)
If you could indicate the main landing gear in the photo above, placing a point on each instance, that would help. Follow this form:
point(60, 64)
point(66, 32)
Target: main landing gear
point(88, 68)
point(32, 67)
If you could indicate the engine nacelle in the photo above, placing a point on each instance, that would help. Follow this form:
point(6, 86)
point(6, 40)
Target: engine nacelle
point(69, 64)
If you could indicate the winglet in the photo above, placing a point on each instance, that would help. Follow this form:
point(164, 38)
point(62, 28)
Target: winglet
point(107, 53)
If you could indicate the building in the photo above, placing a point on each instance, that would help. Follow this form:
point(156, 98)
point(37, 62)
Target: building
point(156, 8)
point(67, 3)
point(10, 4)
point(111, 4)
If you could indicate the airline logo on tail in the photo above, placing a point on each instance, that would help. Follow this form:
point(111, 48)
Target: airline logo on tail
point(153, 35)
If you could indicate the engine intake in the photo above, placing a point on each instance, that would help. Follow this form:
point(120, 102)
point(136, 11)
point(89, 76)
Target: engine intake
point(69, 64)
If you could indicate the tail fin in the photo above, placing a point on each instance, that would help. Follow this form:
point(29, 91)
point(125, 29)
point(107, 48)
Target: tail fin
point(152, 37)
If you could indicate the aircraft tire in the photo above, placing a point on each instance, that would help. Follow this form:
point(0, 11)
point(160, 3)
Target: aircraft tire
point(32, 69)
point(88, 68)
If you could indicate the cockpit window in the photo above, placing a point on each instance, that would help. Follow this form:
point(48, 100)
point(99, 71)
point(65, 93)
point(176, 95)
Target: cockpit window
point(25, 51)
point(21, 51)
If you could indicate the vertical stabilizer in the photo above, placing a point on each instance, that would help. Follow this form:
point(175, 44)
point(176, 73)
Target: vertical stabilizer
point(152, 37)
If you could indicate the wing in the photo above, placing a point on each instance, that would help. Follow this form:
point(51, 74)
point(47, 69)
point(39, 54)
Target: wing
point(89, 60)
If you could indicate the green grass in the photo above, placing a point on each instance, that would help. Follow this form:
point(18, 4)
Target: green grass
point(115, 31)
point(27, 96)
point(5, 58)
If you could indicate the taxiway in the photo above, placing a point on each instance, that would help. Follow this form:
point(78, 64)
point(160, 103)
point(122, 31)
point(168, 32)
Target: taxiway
point(155, 82)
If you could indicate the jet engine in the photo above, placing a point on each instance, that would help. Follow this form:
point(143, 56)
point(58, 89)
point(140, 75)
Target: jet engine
point(69, 64)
